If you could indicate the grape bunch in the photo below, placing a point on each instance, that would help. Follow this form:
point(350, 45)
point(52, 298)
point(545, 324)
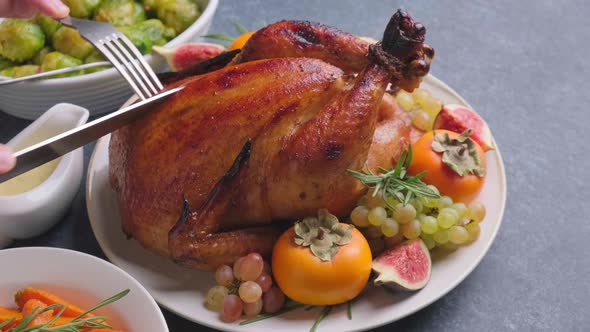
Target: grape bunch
point(422, 106)
point(438, 222)
point(246, 288)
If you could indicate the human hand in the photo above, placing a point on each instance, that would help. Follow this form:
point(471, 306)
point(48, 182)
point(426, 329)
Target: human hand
point(28, 8)
point(7, 160)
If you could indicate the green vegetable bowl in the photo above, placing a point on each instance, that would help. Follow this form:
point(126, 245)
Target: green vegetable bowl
point(99, 92)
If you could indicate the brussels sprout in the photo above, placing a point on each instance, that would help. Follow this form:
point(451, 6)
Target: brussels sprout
point(120, 12)
point(57, 60)
point(20, 39)
point(67, 40)
point(95, 56)
point(40, 56)
point(178, 14)
point(82, 8)
point(148, 33)
point(5, 63)
point(48, 25)
point(20, 71)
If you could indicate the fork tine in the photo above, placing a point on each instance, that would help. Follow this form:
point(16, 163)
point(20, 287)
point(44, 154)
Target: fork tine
point(134, 61)
point(105, 51)
point(111, 45)
point(141, 59)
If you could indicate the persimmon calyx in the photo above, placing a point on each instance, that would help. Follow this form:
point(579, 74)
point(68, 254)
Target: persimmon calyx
point(460, 153)
point(324, 234)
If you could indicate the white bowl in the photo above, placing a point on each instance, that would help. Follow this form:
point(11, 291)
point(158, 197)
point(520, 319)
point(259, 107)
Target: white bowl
point(99, 92)
point(84, 280)
point(33, 212)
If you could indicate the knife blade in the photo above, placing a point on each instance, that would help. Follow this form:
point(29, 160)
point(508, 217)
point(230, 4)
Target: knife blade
point(55, 147)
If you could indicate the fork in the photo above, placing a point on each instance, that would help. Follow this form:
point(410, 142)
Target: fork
point(121, 52)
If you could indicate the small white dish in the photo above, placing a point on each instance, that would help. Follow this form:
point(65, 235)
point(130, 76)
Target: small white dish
point(184, 291)
point(33, 212)
point(99, 92)
point(83, 280)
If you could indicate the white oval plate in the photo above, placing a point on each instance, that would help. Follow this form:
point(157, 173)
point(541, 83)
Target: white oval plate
point(82, 279)
point(183, 291)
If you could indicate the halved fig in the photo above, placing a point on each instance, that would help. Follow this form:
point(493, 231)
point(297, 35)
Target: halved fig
point(406, 266)
point(187, 55)
point(459, 118)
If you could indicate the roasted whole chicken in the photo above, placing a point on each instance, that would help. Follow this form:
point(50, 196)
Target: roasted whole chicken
point(215, 171)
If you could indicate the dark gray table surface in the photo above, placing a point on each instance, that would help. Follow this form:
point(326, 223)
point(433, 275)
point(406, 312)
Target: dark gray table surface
point(523, 66)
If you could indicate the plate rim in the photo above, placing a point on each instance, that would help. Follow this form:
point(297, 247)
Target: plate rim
point(452, 285)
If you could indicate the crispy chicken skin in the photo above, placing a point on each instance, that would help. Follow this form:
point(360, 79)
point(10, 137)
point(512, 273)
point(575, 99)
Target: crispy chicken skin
point(264, 140)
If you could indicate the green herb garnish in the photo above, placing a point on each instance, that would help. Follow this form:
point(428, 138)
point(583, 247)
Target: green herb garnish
point(349, 311)
point(77, 324)
point(396, 183)
point(321, 317)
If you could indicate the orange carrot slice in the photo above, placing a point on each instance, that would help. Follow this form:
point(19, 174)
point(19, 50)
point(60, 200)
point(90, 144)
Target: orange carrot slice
point(33, 305)
point(8, 314)
point(48, 298)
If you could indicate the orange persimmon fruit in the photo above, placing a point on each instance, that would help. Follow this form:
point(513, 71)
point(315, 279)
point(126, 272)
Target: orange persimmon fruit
point(240, 41)
point(446, 180)
point(305, 278)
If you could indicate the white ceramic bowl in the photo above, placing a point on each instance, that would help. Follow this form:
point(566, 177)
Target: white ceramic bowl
point(99, 92)
point(33, 212)
point(82, 279)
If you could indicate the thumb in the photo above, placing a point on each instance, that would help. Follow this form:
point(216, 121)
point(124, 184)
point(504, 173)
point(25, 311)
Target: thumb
point(7, 160)
point(53, 8)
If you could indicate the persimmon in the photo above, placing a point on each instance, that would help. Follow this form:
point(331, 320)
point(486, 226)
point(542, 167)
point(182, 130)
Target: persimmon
point(460, 173)
point(321, 265)
point(240, 41)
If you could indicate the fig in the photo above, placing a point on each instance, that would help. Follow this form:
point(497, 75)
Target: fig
point(187, 55)
point(459, 118)
point(404, 267)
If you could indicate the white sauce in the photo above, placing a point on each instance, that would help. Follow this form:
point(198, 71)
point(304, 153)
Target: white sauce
point(33, 178)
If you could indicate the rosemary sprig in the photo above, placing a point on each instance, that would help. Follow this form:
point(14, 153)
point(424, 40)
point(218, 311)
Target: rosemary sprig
point(349, 310)
point(77, 324)
point(321, 317)
point(396, 183)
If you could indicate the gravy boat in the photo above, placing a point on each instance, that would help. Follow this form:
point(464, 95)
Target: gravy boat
point(33, 212)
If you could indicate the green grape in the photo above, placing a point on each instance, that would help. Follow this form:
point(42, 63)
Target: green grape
point(447, 217)
point(431, 106)
point(411, 230)
point(404, 213)
point(422, 120)
point(461, 209)
point(377, 216)
point(445, 201)
point(441, 236)
point(420, 95)
point(429, 202)
point(405, 99)
point(417, 204)
point(428, 225)
point(428, 241)
point(359, 216)
point(389, 227)
point(375, 201)
point(450, 246)
point(476, 211)
point(473, 230)
point(458, 235)
point(392, 200)
point(215, 297)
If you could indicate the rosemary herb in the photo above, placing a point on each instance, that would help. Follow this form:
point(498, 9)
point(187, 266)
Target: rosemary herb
point(396, 183)
point(321, 317)
point(77, 324)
